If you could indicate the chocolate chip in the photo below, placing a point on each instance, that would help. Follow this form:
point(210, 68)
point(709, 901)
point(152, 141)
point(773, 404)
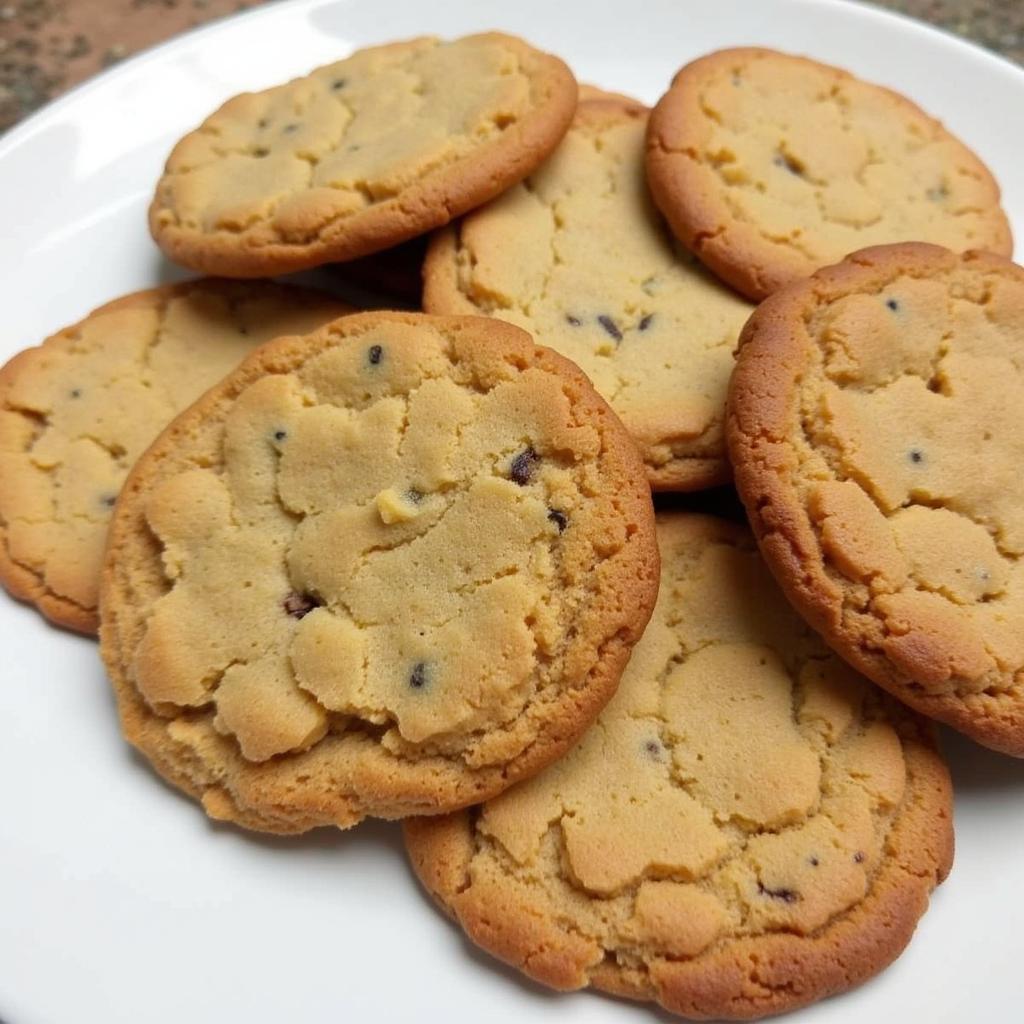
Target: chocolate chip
point(109, 500)
point(75, 392)
point(653, 750)
point(418, 675)
point(523, 466)
point(299, 605)
point(786, 895)
point(263, 122)
point(892, 304)
point(645, 322)
point(374, 354)
point(260, 151)
point(559, 519)
point(280, 435)
point(414, 496)
point(573, 320)
point(610, 326)
point(339, 83)
point(858, 858)
point(785, 160)
point(813, 861)
point(916, 456)
point(289, 128)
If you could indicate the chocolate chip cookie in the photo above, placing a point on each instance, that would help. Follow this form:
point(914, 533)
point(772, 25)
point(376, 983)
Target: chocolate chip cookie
point(387, 568)
point(748, 827)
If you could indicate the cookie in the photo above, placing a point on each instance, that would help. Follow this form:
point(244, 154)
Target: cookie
point(387, 568)
point(76, 412)
point(359, 155)
point(769, 166)
point(578, 255)
point(875, 432)
point(749, 826)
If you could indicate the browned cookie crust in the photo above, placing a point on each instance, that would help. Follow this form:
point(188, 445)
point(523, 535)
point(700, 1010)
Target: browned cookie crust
point(769, 166)
point(875, 433)
point(359, 155)
point(387, 568)
point(747, 828)
point(77, 410)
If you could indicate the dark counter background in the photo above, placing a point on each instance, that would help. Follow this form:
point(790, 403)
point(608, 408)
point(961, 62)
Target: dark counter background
point(47, 46)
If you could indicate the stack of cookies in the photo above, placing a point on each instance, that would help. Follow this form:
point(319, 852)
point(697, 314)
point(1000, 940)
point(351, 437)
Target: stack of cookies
point(361, 562)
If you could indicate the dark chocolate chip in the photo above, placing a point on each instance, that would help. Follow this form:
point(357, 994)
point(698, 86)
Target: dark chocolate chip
point(559, 519)
point(653, 750)
point(892, 304)
point(299, 605)
point(916, 455)
point(786, 895)
point(414, 496)
point(260, 151)
point(280, 435)
point(573, 320)
point(610, 326)
point(858, 858)
point(374, 354)
point(109, 500)
point(645, 322)
point(418, 675)
point(523, 466)
point(786, 161)
point(263, 122)
point(814, 862)
point(76, 392)
point(339, 83)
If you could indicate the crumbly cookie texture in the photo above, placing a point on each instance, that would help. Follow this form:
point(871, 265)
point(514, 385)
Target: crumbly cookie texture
point(388, 568)
point(578, 255)
point(875, 431)
point(359, 155)
point(78, 410)
point(749, 825)
point(769, 166)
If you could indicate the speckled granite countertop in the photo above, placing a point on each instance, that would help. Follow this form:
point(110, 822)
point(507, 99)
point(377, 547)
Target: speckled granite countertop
point(47, 46)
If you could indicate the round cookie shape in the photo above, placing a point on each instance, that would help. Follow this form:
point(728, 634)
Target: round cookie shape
point(387, 568)
point(578, 255)
point(359, 155)
point(875, 435)
point(77, 410)
point(768, 166)
point(748, 827)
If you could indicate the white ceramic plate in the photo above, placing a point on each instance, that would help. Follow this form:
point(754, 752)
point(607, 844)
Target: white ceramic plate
point(119, 900)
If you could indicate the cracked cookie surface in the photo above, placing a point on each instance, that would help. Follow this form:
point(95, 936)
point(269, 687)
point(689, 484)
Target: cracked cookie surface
point(387, 568)
point(875, 431)
point(748, 826)
point(578, 255)
point(359, 155)
point(769, 166)
point(76, 411)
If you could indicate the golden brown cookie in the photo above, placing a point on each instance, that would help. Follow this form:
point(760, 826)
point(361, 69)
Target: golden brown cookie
point(359, 155)
point(748, 827)
point(578, 255)
point(876, 435)
point(387, 568)
point(769, 166)
point(76, 412)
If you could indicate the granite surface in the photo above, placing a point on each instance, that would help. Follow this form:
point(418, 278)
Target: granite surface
point(47, 46)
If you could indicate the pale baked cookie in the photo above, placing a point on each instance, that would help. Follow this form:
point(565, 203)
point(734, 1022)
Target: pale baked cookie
point(578, 255)
point(359, 155)
point(748, 827)
point(76, 412)
point(769, 166)
point(387, 568)
point(876, 434)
